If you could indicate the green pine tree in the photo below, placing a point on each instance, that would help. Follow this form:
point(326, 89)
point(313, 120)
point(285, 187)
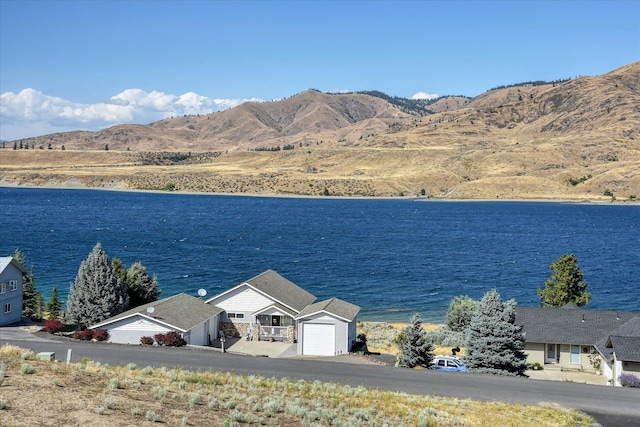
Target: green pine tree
point(39, 309)
point(29, 291)
point(566, 284)
point(54, 305)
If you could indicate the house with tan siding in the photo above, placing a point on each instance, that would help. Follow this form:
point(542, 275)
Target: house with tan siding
point(565, 337)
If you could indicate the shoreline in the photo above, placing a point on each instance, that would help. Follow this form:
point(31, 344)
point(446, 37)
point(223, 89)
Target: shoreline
point(4, 184)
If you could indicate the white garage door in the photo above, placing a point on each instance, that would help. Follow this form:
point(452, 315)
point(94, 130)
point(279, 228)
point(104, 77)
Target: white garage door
point(124, 336)
point(318, 339)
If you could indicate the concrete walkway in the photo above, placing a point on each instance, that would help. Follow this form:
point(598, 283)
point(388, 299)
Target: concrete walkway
point(551, 374)
point(281, 350)
point(260, 348)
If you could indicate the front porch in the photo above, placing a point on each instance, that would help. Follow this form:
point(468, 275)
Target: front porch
point(275, 328)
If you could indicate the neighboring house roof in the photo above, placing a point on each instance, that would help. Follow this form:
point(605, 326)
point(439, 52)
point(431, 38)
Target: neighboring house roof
point(6, 260)
point(625, 341)
point(601, 346)
point(569, 326)
point(181, 311)
point(277, 288)
point(333, 306)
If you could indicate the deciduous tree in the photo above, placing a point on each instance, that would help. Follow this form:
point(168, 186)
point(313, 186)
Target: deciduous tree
point(566, 284)
point(460, 312)
point(119, 269)
point(495, 344)
point(140, 286)
point(97, 293)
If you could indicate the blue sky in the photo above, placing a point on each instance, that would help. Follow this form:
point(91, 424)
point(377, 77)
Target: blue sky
point(93, 64)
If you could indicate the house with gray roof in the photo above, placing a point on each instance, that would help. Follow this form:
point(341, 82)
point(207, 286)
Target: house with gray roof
point(194, 320)
point(621, 350)
point(266, 307)
point(327, 327)
point(566, 337)
point(11, 292)
point(271, 307)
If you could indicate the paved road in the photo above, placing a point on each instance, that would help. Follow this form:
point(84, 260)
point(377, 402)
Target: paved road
point(610, 406)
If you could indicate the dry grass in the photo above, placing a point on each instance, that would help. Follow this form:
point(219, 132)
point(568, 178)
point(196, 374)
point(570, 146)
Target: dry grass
point(90, 394)
point(458, 170)
point(381, 336)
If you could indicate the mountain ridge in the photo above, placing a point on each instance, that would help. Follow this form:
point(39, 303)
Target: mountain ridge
point(573, 139)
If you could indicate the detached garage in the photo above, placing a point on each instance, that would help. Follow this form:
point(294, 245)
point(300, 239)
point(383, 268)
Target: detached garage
point(194, 320)
point(327, 328)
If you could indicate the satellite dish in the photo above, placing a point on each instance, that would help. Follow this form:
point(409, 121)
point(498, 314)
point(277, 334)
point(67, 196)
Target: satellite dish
point(202, 292)
point(150, 310)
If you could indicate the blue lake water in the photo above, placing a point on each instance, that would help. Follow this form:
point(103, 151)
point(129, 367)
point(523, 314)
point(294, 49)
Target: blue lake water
point(392, 257)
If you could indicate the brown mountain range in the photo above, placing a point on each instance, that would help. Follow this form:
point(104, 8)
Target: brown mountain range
point(577, 139)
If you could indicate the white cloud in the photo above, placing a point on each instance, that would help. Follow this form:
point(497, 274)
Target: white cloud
point(31, 113)
point(424, 95)
point(155, 101)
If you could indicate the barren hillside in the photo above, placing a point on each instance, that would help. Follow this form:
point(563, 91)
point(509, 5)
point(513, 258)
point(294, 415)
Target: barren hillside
point(578, 139)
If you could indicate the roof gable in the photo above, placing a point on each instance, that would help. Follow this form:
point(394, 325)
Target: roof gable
point(626, 349)
point(276, 288)
point(5, 261)
point(278, 307)
point(625, 341)
point(282, 290)
point(181, 311)
point(569, 326)
point(334, 306)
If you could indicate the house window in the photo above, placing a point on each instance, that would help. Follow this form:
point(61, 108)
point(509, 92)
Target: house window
point(3, 287)
point(7, 307)
point(575, 354)
point(13, 285)
point(264, 319)
point(235, 315)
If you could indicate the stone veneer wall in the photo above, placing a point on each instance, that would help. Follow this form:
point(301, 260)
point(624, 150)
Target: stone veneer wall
point(234, 330)
point(291, 334)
